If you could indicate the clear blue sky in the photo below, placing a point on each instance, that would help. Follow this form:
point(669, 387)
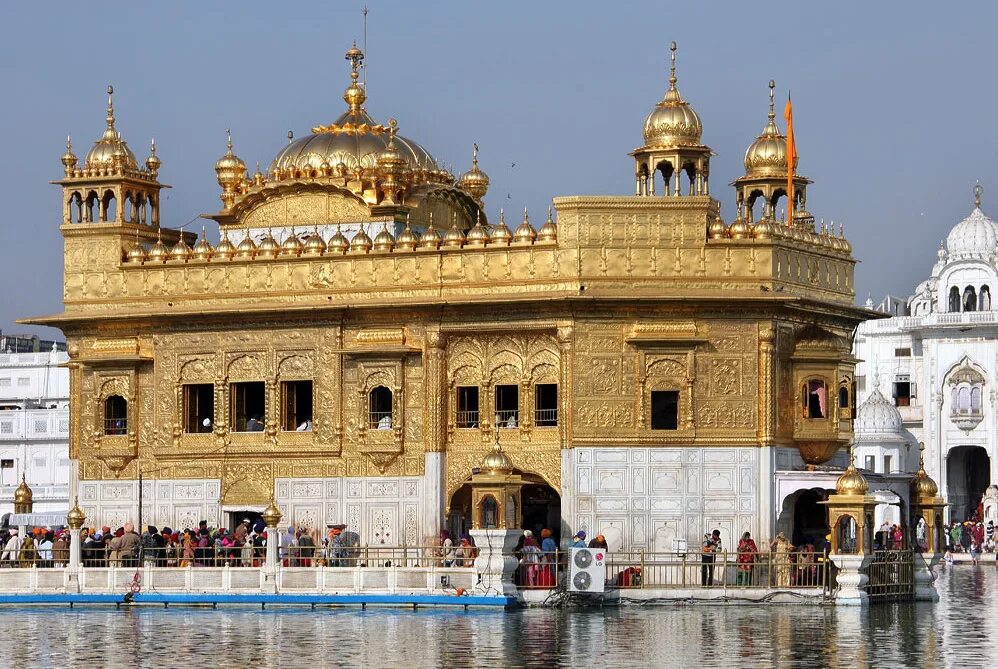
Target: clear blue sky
point(894, 103)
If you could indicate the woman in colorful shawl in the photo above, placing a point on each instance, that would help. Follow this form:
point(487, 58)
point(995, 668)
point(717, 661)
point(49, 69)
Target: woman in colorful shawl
point(28, 555)
point(747, 552)
point(188, 546)
point(781, 560)
point(532, 559)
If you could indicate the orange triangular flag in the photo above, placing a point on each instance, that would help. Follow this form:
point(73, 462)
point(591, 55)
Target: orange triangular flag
point(788, 114)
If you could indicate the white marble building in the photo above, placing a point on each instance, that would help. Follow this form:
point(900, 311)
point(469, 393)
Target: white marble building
point(936, 361)
point(34, 428)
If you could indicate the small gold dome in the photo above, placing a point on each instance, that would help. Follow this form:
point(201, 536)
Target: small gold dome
point(360, 243)
point(69, 159)
point(430, 238)
point(548, 231)
point(158, 251)
point(479, 234)
point(314, 245)
point(497, 462)
point(501, 234)
point(739, 229)
point(454, 237)
point(271, 515)
point(717, 229)
point(75, 518)
point(23, 495)
point(202, 249)
point(922, 484)
point(525, 232)
point(384, 241)
point(673, 122)
point(292, 246)
point(153, 162)
point(474, 181)
point(181, 250)
point(763, 230)
point(229, 169)
point(846, 246)
point(767, 155)
point(338, 243)
point(247, 247)
point(268, 246)
point(136, 253)
point(407, 240)
point(110, 151)
point(225, 249)
point(852, 482)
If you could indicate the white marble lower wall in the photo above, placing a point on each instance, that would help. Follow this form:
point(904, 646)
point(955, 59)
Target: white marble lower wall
point(178, 504)
point(643, 498)
point(381, 510)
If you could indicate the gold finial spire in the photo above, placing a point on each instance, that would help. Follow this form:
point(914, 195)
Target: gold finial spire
point(978, 190)
point(228, 140)
point(69, 143)
point(672, 69)
point(110, 106)
point(474, 155)
point(772, 112)
point(291, 135)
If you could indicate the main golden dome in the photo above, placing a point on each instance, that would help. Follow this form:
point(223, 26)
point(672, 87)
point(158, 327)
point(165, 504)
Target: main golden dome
point(767, 155)
point(352, 142)
point(673, 122)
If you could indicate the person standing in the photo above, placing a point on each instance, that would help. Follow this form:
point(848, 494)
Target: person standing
point(782, 547)
point(306, 547)
point(709, 548)
point(446, 548)
point(579, 540)
point(531, 558)
point(747, 552)
point(10, 550)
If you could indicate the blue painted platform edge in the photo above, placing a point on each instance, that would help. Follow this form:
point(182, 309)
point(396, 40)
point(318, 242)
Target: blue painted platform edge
point(284, 598)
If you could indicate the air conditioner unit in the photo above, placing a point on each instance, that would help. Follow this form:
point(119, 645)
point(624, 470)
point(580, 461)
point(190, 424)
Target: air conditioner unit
point(587, 570)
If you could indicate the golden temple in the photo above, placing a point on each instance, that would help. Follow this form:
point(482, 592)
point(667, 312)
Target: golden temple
point(354, 340)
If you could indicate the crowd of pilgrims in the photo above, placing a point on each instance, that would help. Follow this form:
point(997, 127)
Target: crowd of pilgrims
point(245, 546)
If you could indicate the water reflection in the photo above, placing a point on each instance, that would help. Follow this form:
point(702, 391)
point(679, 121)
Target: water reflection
point(962, 630)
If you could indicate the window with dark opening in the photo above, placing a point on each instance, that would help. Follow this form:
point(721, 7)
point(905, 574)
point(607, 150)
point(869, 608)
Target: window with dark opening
point(467, 406)
point(507, 406)
point(887, 464)
point(248, 406)
point(665, 410)
point(902, 393)
point(870, 463)
point(843, 397)
point(815, 398)
point(546, 404)
point(296, 406)
point(902, 352)
point(115, 416)
point(199, 407)
point(380, 402)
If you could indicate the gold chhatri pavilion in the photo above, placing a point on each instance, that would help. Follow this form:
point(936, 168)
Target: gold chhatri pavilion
point(361, 329)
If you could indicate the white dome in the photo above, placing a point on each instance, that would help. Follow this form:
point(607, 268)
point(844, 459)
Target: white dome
point(877, 419)
point(974, 237)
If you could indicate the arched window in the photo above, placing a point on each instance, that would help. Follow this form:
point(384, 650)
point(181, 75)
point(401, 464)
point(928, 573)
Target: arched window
point(975, 400)
point(843, 397)
point(814, 398)
point(954, 299)
point(109, 208)
point(969, 299)
point(115, 416)
point(963, 399)
point(490, 512)
point(846, 529)
point(380, 404)
point(984, 300)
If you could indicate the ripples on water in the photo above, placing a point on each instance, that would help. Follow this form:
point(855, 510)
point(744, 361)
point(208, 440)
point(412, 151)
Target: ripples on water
point(960, 631)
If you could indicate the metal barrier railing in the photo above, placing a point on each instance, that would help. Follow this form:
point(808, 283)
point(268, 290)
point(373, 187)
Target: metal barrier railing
point(766, 569)
point(539, 570)
point(891, 575)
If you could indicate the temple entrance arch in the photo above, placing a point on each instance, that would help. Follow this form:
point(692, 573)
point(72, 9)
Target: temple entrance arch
point(968, 474)
point(803, 518)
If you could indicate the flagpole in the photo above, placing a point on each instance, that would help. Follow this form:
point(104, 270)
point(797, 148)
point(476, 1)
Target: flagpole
point(788, 114)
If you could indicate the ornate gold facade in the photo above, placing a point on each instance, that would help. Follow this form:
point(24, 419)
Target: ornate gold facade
point(616, 298)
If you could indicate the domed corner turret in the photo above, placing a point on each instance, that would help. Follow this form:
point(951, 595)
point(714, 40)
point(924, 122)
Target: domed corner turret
point(852, 482)
point(877, 419)
point(110, 154)
point(973, 238)
point(672, 145)
point(922, 485)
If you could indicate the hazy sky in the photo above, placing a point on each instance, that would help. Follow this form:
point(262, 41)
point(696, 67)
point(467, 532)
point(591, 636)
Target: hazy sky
point(894, 103)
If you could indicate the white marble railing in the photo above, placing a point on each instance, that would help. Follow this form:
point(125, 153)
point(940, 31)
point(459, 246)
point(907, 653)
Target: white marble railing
point(903, 323)
point(321, 580)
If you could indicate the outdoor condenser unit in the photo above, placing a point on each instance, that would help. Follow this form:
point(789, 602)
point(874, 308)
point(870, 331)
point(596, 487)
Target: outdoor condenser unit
point(586, 570)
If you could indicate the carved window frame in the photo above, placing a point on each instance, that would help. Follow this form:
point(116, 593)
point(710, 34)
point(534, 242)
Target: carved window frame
point(261, 370)
point(391, 375)
point(122, 383)
point(188, 373)
point(295, 365)
point(680, 380)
